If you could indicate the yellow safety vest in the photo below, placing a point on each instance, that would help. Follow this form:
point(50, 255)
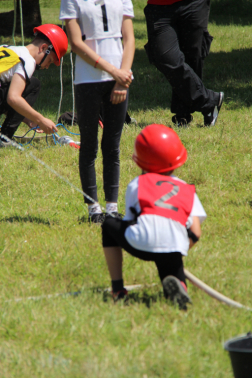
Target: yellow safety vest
point(8, 59)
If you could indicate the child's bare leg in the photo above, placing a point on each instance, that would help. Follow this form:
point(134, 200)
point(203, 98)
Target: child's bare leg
point(114, 261)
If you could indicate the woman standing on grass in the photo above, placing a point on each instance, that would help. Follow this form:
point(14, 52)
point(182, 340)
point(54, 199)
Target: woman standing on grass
point(102, 76)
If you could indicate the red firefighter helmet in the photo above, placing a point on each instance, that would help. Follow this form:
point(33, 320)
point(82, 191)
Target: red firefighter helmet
point(158, 149)
point(57, 36)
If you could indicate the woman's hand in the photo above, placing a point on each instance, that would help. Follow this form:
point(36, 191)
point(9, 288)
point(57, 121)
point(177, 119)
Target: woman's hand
point(118, 94)
point(122, 76)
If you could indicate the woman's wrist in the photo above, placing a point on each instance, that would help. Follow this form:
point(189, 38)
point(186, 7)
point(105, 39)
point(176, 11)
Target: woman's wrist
point(95, 65)
point(112, 71)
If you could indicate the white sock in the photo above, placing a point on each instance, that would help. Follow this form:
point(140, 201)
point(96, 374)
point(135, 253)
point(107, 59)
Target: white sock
point(94, 208)
point(111, 207)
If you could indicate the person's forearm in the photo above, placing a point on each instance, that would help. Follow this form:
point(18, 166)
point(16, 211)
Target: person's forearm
point(122, 76)
point(21, 106)
point(128, 55)
point(91, 57)
point(194, 232)
point(78, 46)
point(128, 44)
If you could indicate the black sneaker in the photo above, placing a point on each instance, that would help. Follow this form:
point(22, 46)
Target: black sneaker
point(211, 118)
point(129, 119)
point(174, 290)
point(96, 218)
point(182, 121)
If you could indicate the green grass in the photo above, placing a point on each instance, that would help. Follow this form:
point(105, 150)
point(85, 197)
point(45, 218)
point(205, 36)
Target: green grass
point(46, 248)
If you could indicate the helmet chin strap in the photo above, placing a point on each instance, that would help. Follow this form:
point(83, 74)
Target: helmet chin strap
point(49, 49)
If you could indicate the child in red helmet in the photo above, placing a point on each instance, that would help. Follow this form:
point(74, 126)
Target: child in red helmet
point(18, 89)
point(163, 215)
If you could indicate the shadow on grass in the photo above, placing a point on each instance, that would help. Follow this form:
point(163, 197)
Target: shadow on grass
point(134, 297)
point(26, 219)
point(226, 12)
point(84, 219)
point(137, 297)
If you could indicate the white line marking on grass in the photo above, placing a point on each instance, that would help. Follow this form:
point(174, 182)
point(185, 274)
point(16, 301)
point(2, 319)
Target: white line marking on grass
point(73, 294)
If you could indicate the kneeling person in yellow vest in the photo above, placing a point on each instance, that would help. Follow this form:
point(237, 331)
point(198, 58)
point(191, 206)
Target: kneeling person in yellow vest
point(18, 89)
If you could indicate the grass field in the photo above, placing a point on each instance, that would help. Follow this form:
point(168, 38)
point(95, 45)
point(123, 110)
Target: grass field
point(47, 248)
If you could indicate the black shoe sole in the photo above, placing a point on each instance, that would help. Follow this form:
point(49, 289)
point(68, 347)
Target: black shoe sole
point(174, 291)
point(182, 121)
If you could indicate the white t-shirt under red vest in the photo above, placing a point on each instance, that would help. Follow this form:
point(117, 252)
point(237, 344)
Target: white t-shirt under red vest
point(166, 205)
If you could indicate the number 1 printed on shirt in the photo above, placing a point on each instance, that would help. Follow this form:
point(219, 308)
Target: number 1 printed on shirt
point(104, 18)
point(104, 14)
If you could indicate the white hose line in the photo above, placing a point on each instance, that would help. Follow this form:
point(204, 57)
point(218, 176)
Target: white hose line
point(39, 297)
point(213, 293)
point(194, 280)
point(30, 154)
point(72, 76)
point(55, 295)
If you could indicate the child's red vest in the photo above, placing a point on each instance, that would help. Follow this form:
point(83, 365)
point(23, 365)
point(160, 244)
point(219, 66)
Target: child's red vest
point(165, 196)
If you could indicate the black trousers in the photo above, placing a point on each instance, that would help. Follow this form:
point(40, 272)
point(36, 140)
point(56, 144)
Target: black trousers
point(89, 98)
point(13, 119)
point(178, 42)
point(167, 264)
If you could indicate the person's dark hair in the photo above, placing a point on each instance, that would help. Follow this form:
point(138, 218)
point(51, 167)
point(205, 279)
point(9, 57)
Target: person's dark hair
point(169, 173)
point(42, 37)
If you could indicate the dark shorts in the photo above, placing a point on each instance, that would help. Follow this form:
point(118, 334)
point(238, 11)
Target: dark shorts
point(168, 263)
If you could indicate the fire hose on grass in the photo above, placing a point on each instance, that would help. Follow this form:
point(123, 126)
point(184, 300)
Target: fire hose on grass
point(194, 280)
point(63, 140)
point(213, 293)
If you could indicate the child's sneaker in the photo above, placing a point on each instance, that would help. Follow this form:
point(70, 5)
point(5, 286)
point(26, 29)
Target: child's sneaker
point(121, 294)
point(176, 292)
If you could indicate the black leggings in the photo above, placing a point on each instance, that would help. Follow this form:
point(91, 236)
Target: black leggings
point(167, 264)
point(13, 119)
point(89, 98)
point(177, 35)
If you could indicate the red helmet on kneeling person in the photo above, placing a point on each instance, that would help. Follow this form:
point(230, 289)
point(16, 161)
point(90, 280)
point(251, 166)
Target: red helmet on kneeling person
point(158, 149)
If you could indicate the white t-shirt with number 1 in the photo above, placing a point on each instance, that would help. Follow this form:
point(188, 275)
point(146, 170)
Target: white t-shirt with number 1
point(100, 23)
